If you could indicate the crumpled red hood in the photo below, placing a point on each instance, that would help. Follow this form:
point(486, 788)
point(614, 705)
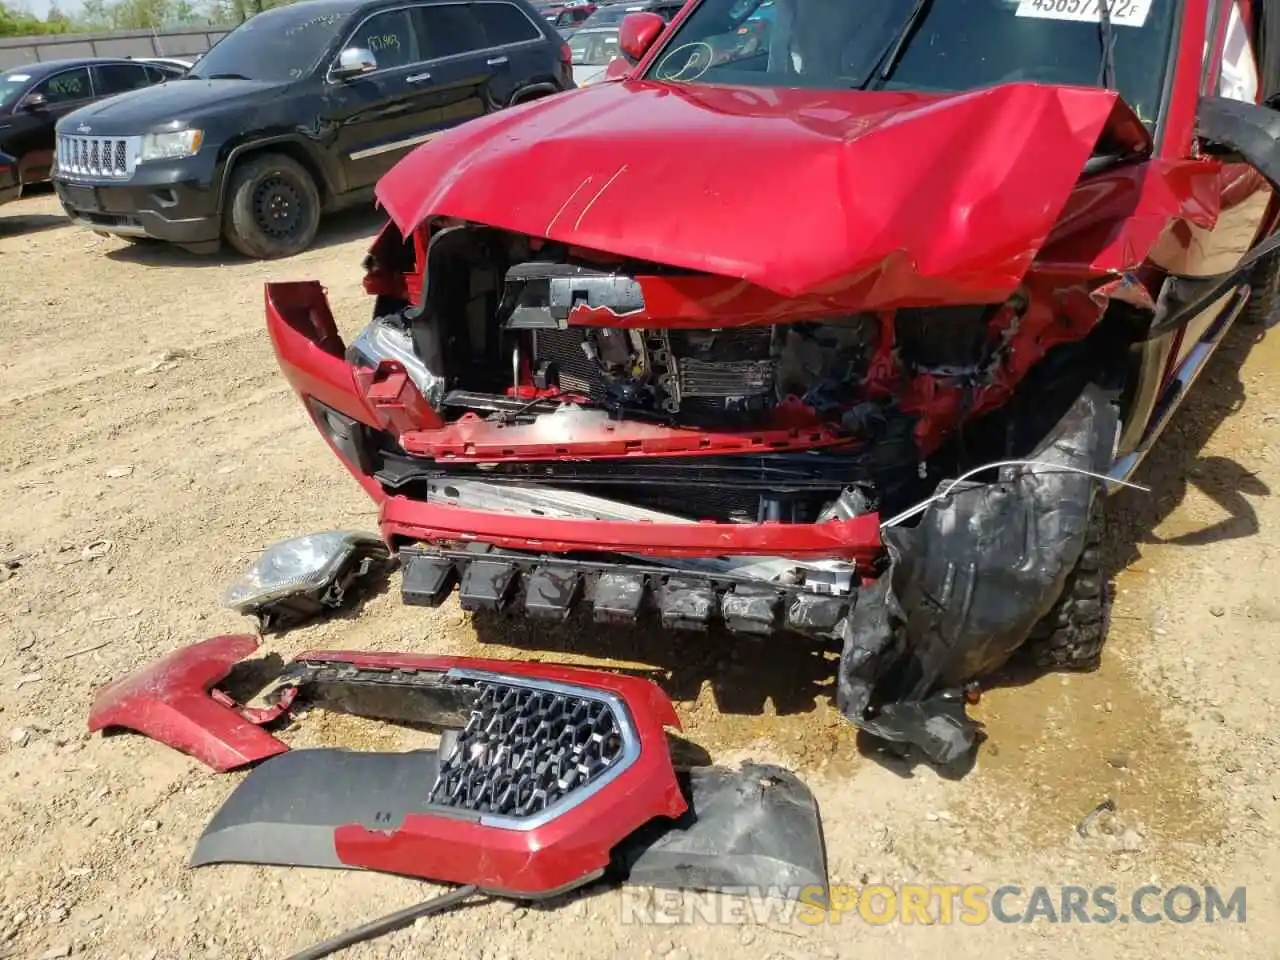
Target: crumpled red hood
point(932, 198)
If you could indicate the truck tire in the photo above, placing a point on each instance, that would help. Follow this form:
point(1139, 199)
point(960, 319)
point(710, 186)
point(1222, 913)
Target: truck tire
point(1264, 293)
point(1071, 634)
point(273, 207)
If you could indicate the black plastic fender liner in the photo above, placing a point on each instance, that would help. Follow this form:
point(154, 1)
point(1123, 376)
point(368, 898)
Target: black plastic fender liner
point(966, 585)
point(756, 827)
point(285, 814)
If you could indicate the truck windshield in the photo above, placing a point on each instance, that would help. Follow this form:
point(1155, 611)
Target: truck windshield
point(276, 46)
point(955, 45)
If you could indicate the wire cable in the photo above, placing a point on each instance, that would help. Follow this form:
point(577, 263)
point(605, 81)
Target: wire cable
point(384, 925)
point(942, 494)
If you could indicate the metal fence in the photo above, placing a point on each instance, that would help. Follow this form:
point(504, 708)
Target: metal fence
point(188, 42)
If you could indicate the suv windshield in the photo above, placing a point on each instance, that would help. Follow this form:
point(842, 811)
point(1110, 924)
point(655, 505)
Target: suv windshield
point(12, 83)
point(957, 45)
point(610, 16)
point(278, 45)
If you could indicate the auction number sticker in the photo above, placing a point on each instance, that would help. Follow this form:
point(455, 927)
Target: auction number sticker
point(1124, 13)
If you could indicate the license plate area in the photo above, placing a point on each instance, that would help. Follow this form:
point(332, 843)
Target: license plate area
point(82, 198)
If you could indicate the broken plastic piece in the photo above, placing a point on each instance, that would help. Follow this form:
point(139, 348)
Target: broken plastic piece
point(754, 828)
point(938, 726)
point(172, 701)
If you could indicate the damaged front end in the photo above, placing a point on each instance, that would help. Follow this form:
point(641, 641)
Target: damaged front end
point(554, 417)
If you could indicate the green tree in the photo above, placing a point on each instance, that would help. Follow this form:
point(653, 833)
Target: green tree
point(19, 23)
point(238, 11)
point(138, 14)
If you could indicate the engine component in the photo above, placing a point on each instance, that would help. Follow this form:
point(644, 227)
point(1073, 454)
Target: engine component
point(824, 362)
point(943, 340)
point(539, 294)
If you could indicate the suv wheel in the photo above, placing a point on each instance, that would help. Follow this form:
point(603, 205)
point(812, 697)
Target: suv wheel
point(273, 207)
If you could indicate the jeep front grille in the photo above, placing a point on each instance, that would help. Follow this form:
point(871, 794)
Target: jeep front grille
point(527, 749)
point(109, 158)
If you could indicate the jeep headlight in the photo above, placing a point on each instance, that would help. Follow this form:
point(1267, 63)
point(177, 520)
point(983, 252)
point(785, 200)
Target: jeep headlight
point(312, 567)
point(171, 146)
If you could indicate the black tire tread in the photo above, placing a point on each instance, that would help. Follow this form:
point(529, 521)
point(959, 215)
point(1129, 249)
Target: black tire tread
point(1071, 635)
point(1264, 292)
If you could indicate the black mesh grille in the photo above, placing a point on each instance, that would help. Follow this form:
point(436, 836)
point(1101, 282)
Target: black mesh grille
point(524, 749)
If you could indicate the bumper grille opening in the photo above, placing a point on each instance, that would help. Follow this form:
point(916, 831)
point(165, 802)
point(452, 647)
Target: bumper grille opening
point(525, 748)
point(111, 220)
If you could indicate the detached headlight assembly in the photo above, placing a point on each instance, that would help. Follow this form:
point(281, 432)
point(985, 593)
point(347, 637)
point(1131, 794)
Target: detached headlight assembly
point(171, 146)
point(294, 580)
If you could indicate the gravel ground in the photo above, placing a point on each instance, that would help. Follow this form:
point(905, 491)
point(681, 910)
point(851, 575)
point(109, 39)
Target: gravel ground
point(148, 449)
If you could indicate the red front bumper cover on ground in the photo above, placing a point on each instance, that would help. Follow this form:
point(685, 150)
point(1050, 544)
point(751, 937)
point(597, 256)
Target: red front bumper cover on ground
point(545, 777)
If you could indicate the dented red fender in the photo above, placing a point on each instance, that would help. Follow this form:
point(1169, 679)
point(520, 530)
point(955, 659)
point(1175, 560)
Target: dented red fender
point(870, 198)
point(169, 700)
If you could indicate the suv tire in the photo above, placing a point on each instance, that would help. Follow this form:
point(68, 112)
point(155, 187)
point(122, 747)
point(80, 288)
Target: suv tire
point(1264, 292)
point(273, 207)
point(1071, 634)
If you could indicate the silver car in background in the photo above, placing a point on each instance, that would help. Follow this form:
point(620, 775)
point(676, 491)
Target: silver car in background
point(592, 49)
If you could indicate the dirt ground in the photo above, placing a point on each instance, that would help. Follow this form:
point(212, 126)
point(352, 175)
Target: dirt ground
point(148, 449)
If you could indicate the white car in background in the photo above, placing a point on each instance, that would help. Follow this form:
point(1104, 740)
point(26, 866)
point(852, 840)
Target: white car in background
point(592, 49)
point(177, 63)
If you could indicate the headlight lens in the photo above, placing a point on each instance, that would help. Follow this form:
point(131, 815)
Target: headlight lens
point(171, 146)
point(295, 566)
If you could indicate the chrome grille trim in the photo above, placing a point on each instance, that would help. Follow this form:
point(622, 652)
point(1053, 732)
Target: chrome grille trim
point(97, 158)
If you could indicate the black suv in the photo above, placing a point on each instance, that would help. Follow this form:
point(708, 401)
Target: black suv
point(299, 110)
point(35, 97)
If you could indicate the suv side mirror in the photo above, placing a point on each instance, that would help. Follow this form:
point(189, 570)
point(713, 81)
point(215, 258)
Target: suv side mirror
point(638, 33)
point(35, 102)
point(354, 61)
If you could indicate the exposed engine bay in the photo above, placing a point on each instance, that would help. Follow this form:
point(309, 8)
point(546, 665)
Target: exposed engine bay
point(532, 336)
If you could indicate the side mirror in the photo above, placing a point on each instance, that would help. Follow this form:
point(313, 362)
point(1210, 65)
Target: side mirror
point(638, 33)
point(354, 61)
point(35, 102)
